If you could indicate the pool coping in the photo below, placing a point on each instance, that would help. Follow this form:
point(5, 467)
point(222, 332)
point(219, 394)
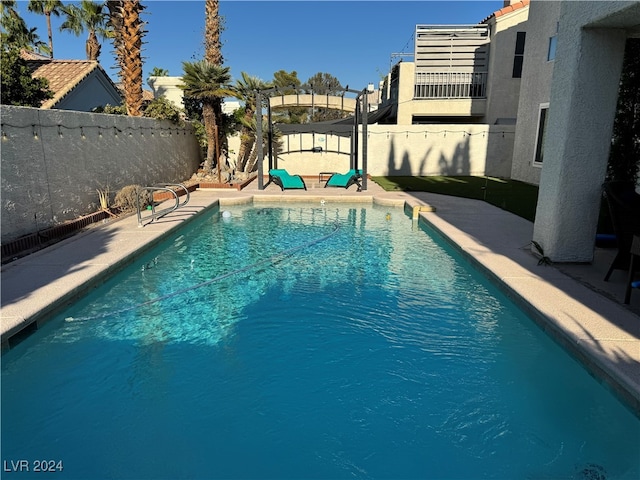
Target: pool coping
point(599, 333)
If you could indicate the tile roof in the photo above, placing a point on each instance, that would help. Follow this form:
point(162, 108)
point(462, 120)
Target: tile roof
point(29, 55)
point(63, 75)
point(508, 9)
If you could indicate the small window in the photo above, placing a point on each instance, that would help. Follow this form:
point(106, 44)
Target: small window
point(551, 54)
point(520, 39)
point(517, 66)
point(542, 133)
point(518, 58)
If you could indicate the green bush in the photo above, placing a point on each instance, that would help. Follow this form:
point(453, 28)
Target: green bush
point(111, 109)
point(18, 87)
point(163, 109)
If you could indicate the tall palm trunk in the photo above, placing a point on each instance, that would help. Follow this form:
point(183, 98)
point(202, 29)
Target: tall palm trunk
point(247, 139)
point(125, 18)
point(46, 8)
point(213, 55)
point(252, 162)
point(93, 46)
point(209, 117)
point(244, 149)
point(250, 144)
point(212, 52)
point(49, 32)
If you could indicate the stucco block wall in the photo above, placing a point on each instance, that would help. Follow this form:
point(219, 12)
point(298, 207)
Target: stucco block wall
point(294, 154)
point(440, 149)
point(406, 150)
point(52, 162)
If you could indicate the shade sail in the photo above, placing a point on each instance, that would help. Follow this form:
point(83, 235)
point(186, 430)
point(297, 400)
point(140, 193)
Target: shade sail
point(342, 127)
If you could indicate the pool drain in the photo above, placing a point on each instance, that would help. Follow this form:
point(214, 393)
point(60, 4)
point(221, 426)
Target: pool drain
point(593, 471)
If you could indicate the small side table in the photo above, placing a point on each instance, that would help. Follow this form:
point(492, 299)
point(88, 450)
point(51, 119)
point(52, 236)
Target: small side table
point(321, 176)
point(635, 254)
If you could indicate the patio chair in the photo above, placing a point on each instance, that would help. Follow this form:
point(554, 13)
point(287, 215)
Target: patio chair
point(635, 256)
point(285, 180)
point(624, 208)
point(345, 180)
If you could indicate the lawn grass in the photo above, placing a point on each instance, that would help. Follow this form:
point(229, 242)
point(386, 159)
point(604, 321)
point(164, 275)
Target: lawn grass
point(513, 196)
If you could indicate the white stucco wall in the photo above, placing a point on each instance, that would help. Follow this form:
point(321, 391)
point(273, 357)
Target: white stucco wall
point(535, 88)
point(168, 87)
point(503, 90)
point(52, 162)
point(584, 90)
point(407, 150)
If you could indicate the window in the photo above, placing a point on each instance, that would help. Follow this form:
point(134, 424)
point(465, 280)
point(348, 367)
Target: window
point(518, 58)
point(542, 133)
point(551, 54)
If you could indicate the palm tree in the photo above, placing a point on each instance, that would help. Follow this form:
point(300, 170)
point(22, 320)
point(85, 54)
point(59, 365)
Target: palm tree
point(246, 91)
point(159, 72)
point(212, 52)
point(89, 16)
point(46, 8)
point(276, 138)
point(207, 83)
point(128, 32)
point(15, 31)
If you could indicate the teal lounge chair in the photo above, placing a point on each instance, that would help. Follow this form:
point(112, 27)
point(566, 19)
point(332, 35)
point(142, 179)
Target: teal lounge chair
point(345, 180)
point(286, 181)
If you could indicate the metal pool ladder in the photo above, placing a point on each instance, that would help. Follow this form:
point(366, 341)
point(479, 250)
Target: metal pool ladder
point(164, 187)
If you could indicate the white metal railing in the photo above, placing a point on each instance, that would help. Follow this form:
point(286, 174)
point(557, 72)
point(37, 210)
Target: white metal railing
point(155, 214)
point(450, 85)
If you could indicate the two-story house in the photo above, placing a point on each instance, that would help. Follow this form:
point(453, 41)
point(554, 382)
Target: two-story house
point(461, 73)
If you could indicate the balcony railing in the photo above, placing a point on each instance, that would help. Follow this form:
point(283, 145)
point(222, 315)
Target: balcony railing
point(450, 85)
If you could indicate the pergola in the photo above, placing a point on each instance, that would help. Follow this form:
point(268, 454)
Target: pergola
point(360, 118)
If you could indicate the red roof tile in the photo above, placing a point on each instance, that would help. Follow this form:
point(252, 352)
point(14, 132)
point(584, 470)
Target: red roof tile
point(508, 9)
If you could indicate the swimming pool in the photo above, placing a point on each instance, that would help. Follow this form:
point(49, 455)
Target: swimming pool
point(303, 341)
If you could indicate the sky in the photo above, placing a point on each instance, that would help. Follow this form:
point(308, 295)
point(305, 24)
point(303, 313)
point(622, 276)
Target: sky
point(355, 41)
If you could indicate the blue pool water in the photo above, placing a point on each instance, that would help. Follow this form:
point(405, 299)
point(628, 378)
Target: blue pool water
point(306, 341)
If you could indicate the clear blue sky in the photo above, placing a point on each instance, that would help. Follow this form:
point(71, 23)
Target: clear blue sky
point(351, 40)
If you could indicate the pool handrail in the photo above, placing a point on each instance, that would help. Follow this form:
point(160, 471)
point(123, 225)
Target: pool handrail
point(163, 187)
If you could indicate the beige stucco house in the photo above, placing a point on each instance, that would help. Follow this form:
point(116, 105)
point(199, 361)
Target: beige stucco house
point(170, 88)
point(461, 73)
point(566, 112)
point(167, 87)
point(553, 69)
point(533, 103)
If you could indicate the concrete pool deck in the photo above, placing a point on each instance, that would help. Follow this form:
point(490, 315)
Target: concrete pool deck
point(571, 302)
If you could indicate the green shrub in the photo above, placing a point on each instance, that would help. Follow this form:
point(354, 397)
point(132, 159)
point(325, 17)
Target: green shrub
point(18, 87)
point(111, 109)
point(163, 109)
